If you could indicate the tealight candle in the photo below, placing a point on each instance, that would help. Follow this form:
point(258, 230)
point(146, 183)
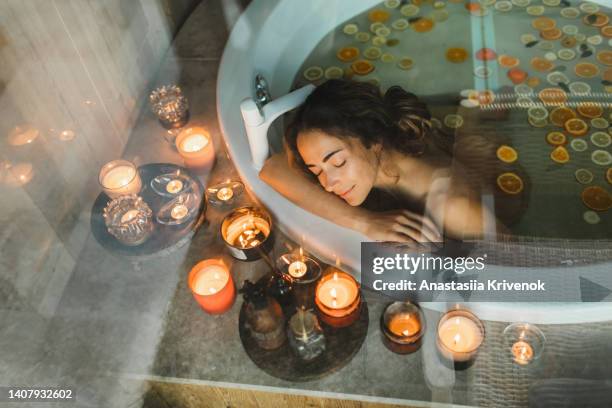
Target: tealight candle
point(245, 232)
point(179, 211)
point(301, 273)
point(402, 327)
point(120, 177)
point(522, 352)
point(195, 146)
point(460, 335)
point(212, 286)
point(337, 298)
point(297, 269)
point(525, 342)
point(21, 135)
point(174, 186)
point(225, 193)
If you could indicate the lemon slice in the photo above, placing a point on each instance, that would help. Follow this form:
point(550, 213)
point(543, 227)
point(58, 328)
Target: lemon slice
point(503, 6)
point(400, 24)
point(527, 38)
point(379, 41)
point(386, 57)
point(521, 3)
point(580, 37)
point(566, 54)
point(405, 63)
point(570, 12)
point(589, 8)
point(350, 29)
point(453, 121)
point(591, 217)
point(551, 3)
point(375, 26)
point(334, 72)
point(313, 73)
point(392, 3)
point(595, 39)
point(555, 77)
point(546, 45)
point(372, 53)
point(535, 10)
point(383, 31)
point(409, 10)
point(601, 139)
point(523, 90)
point(537, 113)
point(441, 4)
point(362, 37)
point(579, 145)
point(601, 157)
point(599, 123)
point(482, 71)
point(551, 56)
point(580, 88)
point(570, 29)
point(583, 176)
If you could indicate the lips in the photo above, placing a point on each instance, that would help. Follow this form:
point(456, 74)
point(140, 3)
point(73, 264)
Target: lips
point(343, 195)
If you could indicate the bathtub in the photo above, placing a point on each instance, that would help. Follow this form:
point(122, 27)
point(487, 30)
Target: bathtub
point(273, 37)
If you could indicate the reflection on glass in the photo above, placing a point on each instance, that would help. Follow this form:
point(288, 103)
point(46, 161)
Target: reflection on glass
point(16, 175)
point(22, 135)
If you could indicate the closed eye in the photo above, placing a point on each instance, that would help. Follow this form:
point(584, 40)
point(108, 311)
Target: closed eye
point(341, 164)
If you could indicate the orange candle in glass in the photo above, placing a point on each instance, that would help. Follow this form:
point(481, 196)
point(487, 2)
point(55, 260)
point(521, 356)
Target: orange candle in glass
point(338, 299)
point(402, 326)
point(195, 146)
point(212, 286)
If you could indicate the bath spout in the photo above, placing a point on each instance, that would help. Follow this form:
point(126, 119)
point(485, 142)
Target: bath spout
point(257, 121)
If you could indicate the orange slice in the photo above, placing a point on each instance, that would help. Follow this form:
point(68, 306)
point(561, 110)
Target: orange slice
point(456, 54)
point(517, 75)
point(568, 41)
point(552, 96)
point(533, 82)
point(507, 154)
point(552, 34)
point(607, 75)
point(560, 155)
point(422, 25)
point(472, 7)
point(362, 67)
point(605, 57)
point(599, 20)
point(586, 69)
point(606, 31)
point(541, 64)
point(543, 23)
point(508, 61)
point(510, 183)
point(560, 115)
point(347, 54)
point(590, 110)
point(596, 198)
point(556, 138)
point(576, 127)
point(609, 175)
point(378, 15)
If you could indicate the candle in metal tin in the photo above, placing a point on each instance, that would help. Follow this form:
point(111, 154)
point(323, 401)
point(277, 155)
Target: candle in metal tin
point(246, 232)
point(337, 298)
point(302, 274)
point(525, 342)
point(402, 327)
point(459, 337)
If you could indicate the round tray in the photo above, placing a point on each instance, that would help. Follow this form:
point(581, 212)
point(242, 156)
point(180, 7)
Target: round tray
point(341, 346)
point(165, 238)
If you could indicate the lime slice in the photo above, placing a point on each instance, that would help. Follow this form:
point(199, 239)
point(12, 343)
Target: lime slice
point(555, 77)
point(313, 73)
point(521, 3)
point(580, 37)
point(362, 37)
point(601, 157)
point(405, 63)
point(379, 41)
point(551, 56)
point(595, 39)
point(537, 123)
point(589, 8)
point(537, 113)
point(551, 3)
point(579, 145)
point(372, 53)
point(375, 26)
point(566, 54)
point(383, 31)
point(453, 121)
point(439, 15)
point(599, 123)
point(591, 217)
point(482, 71)
point(527, 38)
point(535, 10)
point(400, 24)
point(570, 29)
point(580, 88)
point(386, 57)
point(441, 4)
point(334, 72)
point(546, 45)
point(409, 10)
point(601, 139)
point(392, 3)
point(503, 6)
point(570, 12)
point(583, 176)
point(350, 29)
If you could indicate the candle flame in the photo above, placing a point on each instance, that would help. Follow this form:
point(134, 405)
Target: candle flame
point(457, 338)
point(333, 293)
point(212, 290)
point(334, 303)
point(336, 276)
point(406, 332)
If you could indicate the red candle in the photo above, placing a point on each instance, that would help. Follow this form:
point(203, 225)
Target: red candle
point(212, 286)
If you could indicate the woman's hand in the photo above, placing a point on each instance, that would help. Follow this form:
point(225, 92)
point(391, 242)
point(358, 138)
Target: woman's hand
point(400, 226)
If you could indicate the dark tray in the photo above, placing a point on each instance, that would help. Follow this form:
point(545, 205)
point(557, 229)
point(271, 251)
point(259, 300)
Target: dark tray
point(165, 238)
point(341, 346)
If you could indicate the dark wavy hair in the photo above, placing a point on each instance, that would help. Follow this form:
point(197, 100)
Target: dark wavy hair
point(343, 108)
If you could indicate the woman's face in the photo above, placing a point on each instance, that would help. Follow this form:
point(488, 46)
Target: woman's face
point(343, 166)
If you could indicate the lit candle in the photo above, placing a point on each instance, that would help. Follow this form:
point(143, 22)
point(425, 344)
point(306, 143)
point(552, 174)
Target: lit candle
point(195, 146)
point(337, 298)
point(225, 193)
point(297, 269)
point(129, 216)
point(174, 186)
point(120, 177)
point(179, 211)
point(212, 286)
point(402, 327)
point(460, 334)
point(525, 342)
point(522, 352)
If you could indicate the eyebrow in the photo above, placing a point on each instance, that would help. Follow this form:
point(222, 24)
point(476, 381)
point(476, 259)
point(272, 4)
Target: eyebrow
point(326, 158)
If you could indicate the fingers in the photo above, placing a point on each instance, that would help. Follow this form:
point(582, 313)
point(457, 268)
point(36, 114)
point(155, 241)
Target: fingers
point(426, 224)
point(418, 229)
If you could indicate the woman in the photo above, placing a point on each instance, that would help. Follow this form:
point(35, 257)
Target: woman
point(353, 140)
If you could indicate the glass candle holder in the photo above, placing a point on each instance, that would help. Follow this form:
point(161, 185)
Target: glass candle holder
point(337, 298)
point(170, 106)
point(128, 218)
point(212, 286)
point(246, 232)
point(302, 274)
point(120, 177)
point(525, 342)
point(402, 326)
point(224, 193)
point(195, 146)
point(459, 337)
point(305, 335)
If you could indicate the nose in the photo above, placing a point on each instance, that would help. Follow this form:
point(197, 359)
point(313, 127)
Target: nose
point(330, 181)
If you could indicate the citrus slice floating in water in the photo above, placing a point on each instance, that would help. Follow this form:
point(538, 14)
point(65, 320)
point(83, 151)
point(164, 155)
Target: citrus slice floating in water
point(609, 175)
point(533, 82)
point(596, 19)
point(579, 145)
point(372, 53)
point(508, 61)
point(386, 57)
point(556, 138)
point(606, 31)
point(601, 139)
point(409, 10)
point(605, 57)
point(596, 198)
point(506, 154)
point(586, 69)
point(570, 12)
point(517, 75)
point(405, 63)
point(543, 23)
point(535, 10)
point(400, 24)
point(552, 96)
point(541, 64)
point(580, 88)
point(568, 41)
point(422, 25)
point(350, 29)
point(347, 54)
point(510, 183)
point(591, 217)
point(590, 110)
point(560, 115)
point(560, 155)
point(583, 176)
point(392, 3)
point(601, 157)
point(599, 123)
point(313, 73)
point(537, 113)
point(362, 67)
point(566, 54)
point(552, 34)
point(378, 15)
point(362, 36)
point(576, 127)
point(485, 54)
point(334, 72)
point(456, 55)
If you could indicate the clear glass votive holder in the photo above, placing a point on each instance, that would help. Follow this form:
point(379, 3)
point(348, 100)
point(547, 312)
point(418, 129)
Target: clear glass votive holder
point(120, 177)
point(305, 335)
point(170, 106)
point(129, 219)
point(524, 342)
